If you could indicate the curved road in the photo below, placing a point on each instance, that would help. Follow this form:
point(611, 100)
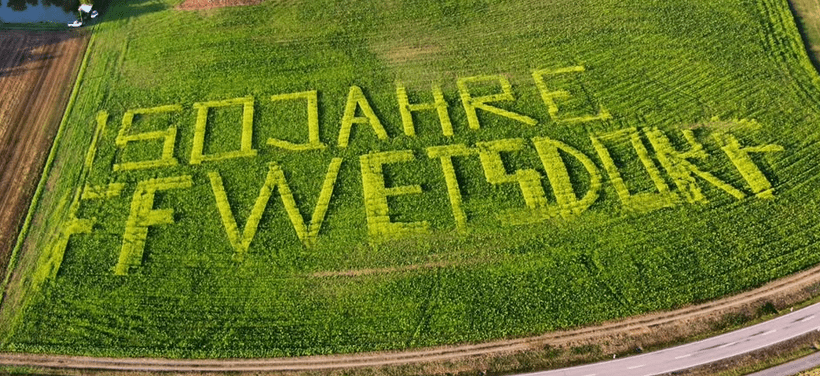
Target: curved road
point(702, 352)
point(668, 360)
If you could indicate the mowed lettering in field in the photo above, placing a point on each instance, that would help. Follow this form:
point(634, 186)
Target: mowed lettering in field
point(661, 163)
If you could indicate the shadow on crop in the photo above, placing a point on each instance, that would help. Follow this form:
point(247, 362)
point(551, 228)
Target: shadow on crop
point(22, 52)
point(129, 9)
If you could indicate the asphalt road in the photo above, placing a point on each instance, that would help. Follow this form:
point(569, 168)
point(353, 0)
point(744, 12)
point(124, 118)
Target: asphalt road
point(793, 367)
point(702, 352)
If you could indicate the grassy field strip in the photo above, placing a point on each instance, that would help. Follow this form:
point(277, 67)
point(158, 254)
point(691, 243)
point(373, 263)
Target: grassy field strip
point(311, 178)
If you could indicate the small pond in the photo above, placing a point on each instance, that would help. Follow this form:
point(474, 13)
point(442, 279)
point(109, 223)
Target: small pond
point(25, 11)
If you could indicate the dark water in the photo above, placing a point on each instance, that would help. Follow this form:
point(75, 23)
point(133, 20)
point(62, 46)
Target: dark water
point(63, 11)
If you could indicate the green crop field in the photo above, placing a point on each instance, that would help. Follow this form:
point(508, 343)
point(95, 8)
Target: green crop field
point(313, 177)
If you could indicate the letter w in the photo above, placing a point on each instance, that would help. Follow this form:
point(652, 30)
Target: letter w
point(276, 179)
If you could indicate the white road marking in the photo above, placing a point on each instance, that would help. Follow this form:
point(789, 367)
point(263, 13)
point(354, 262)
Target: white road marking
point(591, 374)
point(726, 345)
point(737, 348)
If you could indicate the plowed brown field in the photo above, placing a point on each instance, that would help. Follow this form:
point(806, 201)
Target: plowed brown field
point(37, 70)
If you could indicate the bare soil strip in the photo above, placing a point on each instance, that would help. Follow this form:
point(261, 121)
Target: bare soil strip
point(210, 4)
point(615, 336)
point(37, 70)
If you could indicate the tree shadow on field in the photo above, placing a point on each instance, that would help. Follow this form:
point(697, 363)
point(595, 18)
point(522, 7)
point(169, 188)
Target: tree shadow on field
point(26, 56)
point(26, 51)
point(128, 9)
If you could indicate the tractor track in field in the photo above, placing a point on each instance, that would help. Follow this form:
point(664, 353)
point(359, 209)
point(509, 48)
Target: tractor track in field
point(647, 330)
point(37, 70)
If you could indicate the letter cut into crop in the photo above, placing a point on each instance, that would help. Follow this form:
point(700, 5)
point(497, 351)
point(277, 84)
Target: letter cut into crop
point(568, 203)
point(52, 260)
point(144, 215)
point(406, 109)
point(356, 99)
point(379, 226)
point(529, 180)
point(739, 155)
point(445, 154)
point(71, 226)
point(682, 171)
point(102, 122)
point(92, 192)
point(168, 136)
point(313, 143)
point(471, 103)
point(74, 226)
point(245, 146)
point(48, 268)
point(275, 179)
point(549, 97)
point(639, 202)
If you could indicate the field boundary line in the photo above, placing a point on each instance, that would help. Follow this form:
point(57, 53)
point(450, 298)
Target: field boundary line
point(35, 200)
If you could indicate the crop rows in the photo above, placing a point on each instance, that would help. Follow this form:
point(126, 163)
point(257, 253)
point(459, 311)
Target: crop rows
point(317, 177)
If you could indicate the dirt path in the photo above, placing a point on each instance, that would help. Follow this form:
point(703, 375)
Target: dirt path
point(615, 336)
point(37, 70)
point(211, 4)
